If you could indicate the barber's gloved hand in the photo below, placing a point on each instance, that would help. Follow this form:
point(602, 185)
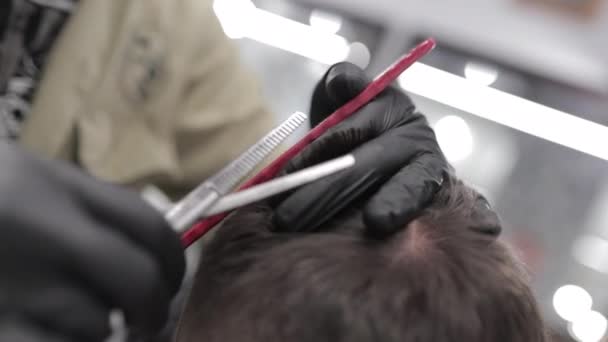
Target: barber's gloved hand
point(399, 165)
point(72, 248)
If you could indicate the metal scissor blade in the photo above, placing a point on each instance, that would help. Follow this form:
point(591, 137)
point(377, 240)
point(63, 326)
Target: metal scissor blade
point(279, 185)
point(196, 203)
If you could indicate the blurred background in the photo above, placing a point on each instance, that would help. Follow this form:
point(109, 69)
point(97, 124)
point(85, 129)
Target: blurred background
point(517, 91)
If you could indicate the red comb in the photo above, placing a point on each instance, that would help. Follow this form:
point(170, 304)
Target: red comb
point(372, 90)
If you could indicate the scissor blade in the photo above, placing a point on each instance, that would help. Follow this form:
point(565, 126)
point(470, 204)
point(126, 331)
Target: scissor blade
point(196, 203)
point(279, 185)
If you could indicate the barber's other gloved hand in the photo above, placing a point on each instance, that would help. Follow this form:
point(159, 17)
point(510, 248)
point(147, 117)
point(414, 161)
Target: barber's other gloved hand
point(399, 165)
point(72, 248)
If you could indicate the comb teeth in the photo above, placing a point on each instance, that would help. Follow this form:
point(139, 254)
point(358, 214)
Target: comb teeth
point(225, 180)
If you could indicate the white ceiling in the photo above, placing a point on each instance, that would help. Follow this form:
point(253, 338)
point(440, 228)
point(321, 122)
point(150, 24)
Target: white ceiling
point(540, 41)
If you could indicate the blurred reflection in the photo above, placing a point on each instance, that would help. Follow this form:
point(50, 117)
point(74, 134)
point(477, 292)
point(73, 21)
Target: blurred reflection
point(480, 73)
point(455, 137)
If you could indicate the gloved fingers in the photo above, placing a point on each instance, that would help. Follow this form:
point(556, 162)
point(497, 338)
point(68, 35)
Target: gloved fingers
point(372, 121)
point(341, 83)
point(291, 205)
point(331, 145)
point(125, 275)
point(344, 81)
point(315, 203)
point(67, 311)
point(128, 214)
point(405, 195)
point(15, 329)
point(321, 106)
point(375, 162)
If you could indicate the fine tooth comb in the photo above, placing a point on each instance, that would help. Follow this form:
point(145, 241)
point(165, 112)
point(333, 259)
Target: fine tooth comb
point(196, 203)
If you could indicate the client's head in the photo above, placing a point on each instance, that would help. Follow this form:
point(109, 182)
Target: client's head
point(440, 279)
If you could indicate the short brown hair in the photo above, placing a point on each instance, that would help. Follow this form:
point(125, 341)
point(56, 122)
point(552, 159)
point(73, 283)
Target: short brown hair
point(438, 280)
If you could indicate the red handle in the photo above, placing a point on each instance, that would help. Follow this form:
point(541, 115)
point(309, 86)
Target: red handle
point(372, 90)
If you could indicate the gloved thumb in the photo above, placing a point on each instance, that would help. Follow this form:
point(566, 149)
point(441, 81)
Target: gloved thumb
point(344, 81)
point(340, 84)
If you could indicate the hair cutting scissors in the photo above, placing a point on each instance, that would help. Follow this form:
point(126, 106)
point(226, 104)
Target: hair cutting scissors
point(213, 195)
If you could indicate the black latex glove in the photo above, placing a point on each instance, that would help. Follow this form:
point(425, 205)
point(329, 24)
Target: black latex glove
point(72, 248)
point(399, 165)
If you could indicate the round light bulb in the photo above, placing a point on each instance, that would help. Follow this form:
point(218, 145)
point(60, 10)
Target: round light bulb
point(359, 55)
point(324, 21)
point(455, 137)
point(589, 327)
point(480, 73)
point(571, 301)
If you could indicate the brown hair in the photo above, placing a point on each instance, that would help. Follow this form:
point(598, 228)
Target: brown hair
point(438, 280)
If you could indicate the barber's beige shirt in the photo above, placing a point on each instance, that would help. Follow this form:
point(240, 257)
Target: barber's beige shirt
point(146, 91)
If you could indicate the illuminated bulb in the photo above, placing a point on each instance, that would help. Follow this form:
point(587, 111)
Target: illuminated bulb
point(571, 301)
point(298, 38)
point(480, 74)
point(589, 327)
point(241, 19)
point(324, 21)
point(359, 55)
point(591, 251)
point(234, 16)
point(454, 137)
